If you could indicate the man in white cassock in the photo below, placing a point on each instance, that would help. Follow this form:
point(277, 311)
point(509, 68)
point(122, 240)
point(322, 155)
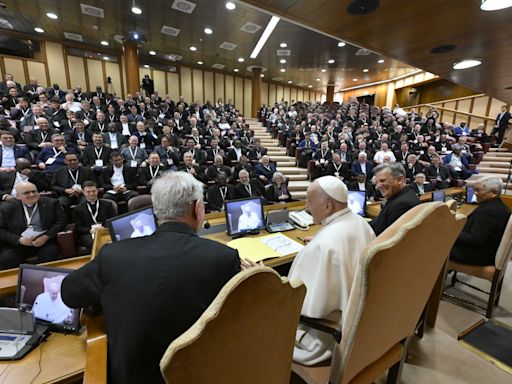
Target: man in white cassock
point(49, 306)
point(327, 265)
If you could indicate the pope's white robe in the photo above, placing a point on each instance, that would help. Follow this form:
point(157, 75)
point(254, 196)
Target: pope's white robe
point(54, 311)
point(327, 266)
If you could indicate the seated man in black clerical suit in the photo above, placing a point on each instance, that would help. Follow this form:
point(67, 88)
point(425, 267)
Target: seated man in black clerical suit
point(118, 180)
point(67, 182)
point(155, 169)
point(219, 193)
point(24, 172)
point(91, 214)
point(248, 187)
point(480, 238)
point(169, 272)
point(29, 227)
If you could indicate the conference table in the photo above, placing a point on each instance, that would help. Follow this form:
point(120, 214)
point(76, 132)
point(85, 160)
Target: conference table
point(63, 358)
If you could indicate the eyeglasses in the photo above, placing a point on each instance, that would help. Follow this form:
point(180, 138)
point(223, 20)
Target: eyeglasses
point(29, 192)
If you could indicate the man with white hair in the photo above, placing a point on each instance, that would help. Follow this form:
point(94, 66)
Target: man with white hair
point(48, 306)
point(148, 281)
point(481, 236)
point(327, 264)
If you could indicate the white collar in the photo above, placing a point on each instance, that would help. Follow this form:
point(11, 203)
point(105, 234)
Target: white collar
point(335, 216)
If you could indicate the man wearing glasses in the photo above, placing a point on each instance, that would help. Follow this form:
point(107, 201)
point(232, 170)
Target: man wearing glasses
point(29, 227)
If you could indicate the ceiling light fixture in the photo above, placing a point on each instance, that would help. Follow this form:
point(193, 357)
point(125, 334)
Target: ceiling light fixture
point(136, 10)
point(264, 36)
point(236, 69)
point(208, 30)
point(365, 70)
point(341, 44)
point(106, 58)
point(331, 61)
point(152, 53)
point(354, 79)
point(146, 66)
point(282, 70)
point(494, 5)
point(241, 59)
point(262, 75)
point(468, 63)
point(282, 61)
point(230, 5)
point(317, 79)
point(52, 15)
point(323, 70)
point(310, 86)
point(104, 42)
point(283, 45)
point(39, 30)
point(380, 61)
point(289, 81)
point(200, 62)
point(193, 49)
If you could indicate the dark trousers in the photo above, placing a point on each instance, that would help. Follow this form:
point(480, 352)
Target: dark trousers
point(12, 257)
point(118, 197)
point(501, 133)
point(86, 240)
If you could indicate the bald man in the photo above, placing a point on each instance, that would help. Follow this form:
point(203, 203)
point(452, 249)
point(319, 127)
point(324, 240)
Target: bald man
point(327, 264)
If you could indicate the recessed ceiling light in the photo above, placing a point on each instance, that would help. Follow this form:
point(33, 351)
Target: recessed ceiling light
point(106, 58)
point(193, 49)
point(289, 81)
point(283, 45)
point(136, 10)
point(208, 31)
point(317, 79)
point(354, 79)
point(494, 5)
point(323, 70)
point(282, 61)
point(200, 62)
point(468, 63)
point(380, 61)
point(104, 42)
point(331, 61)
point(52, 15)
point(230, 5)
point(341, 44)
point(310, 86)
point(146, 66)
point(365, 70)
point(282, 70)
point(262, 75)
point(264, 36)
point(39, 30)
point(236, 69)
point(241, 59)
point(152, 53)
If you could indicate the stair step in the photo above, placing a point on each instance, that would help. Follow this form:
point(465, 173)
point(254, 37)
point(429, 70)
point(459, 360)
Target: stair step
point(478, 176)
point(494, 164)
point(492, 170)
point(282, 158)
point(501, 154)
point(298, 185)
point(299, 195)
point(499, 150)
point(292, 170)
point(285, 163)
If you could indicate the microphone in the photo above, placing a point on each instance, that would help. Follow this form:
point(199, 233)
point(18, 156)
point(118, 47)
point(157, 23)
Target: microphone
point(206, 225)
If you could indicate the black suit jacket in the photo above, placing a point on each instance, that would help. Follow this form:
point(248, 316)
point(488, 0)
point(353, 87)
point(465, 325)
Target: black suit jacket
point(13, 221)
point(152, 289)
point(89, 156)
point(480, 238)
point(432, 172)
point(395, 207)
point(215, 201)
point(62, 180)
point(7, 180)
point(82, 216)
point(503, 122)
point(369, 188)
point(257, 189)
point(426, 188)
point(129, 175)
point(35, 138)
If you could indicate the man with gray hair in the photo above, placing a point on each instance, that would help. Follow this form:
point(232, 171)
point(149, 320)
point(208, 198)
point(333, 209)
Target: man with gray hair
point(152, 289)
point(481, 236)
point(390, 181)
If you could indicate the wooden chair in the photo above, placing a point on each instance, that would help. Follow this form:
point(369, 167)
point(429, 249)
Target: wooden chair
point(245, 336)
point(392, 285)
point(492, 273)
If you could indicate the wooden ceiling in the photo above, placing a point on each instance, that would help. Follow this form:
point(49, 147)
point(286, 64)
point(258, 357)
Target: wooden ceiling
point(407, 30)
point(309, 50)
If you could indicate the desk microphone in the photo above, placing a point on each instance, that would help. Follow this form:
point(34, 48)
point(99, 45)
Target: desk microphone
point(206, 225)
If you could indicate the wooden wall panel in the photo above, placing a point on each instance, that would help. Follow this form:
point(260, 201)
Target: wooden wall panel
point(77, 73)
point(248, 98)
point(264, 94)
point(446, 116)
point(174, 85)
point(480, 105)
point(272, 98)
point(293, 95)
point(300, 95)
point(475, 121)
point(37, 70)
point(464, 105)
point(495, 107)
point(15, 68)
point(197, 81)
point(279, 93)
point(113, 70)
point(96, 75)
point(55, 62)
point(287, 94)
point(219, 87)
point(186, 83)
point(239, 94)
point(229, 89)
point(159, 82)
point(209, 92)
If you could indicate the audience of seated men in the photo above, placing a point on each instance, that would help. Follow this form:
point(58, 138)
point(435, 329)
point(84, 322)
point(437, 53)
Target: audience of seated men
point(247, 187)
point(264, 170)
point(361, 184)
point(23, 172)
point(28, 227)
point(154, 169)
point(277, 191)
point(134, 155)
point(115, 140)
point(67, 181)
point(219, 193)
point(191, 167)
point(96, 155)
point(480, 238)
point(438, 172)
point(10, 152)
point(51, 158)
point(420, 184)
point(118, 180)
point(216, 168)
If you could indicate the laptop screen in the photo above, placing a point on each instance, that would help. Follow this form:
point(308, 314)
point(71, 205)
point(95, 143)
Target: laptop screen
point(244, 215)
point(438, 196)
point(39, 290)
point(141, 222)
point(357, 202)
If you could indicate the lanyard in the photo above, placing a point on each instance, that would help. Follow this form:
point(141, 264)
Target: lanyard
point(98, 154)
point(337, 167)
point(56, 153)
point(133, 153)
point(81, 136)
point(324, 154)
point(27, 216)
point(101, 126)
point(95, 214)
point(223, 193)
point(43, 137)
point(75, 179)
point(153, 175)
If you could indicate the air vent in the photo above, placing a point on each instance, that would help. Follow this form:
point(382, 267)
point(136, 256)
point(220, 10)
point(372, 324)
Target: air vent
point(173, 57)
point(171, 31)
point(283, 52)
point(92, 11)
point(250, 27)
point(363, 52)
point(73, 36)
point(5, 24)
point(184, 6)
point(218, 66)
point(227, 45)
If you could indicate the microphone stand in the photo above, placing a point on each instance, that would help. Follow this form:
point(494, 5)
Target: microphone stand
point(508, 176)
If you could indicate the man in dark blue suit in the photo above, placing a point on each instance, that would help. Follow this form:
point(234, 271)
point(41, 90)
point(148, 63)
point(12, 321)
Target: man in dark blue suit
point(501, 123)
point(9, 152)
point(362, 165)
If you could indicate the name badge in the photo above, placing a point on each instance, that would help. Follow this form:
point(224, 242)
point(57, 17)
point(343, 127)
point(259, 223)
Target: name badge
point(77, 186)
point(337, 174)
point(133, 163)
point(322, 161)
point(443, 149)
point(98, 163)
point(422, 152)
point(143, 145)
point(113, 146)
point(50, 161)
point(161, 115)
point(56, 123)
point(170, 162)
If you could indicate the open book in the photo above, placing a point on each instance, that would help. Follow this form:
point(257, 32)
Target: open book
point(265, 247)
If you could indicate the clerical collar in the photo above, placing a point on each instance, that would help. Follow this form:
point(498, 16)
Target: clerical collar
point(335, 216)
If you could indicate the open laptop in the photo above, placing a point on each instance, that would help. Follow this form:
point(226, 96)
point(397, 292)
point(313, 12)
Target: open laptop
point(356, 201)
point(139, 223)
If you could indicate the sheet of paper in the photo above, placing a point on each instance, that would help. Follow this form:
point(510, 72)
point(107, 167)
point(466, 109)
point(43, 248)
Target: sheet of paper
point(281, 244)
point(265, 247)
point(29, 232)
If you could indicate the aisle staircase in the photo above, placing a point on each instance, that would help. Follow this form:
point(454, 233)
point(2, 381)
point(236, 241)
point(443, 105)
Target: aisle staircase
point(496, 162)
point(298, 177)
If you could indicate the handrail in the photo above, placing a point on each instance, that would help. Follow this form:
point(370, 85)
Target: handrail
point(456, 111)
point(448, 100)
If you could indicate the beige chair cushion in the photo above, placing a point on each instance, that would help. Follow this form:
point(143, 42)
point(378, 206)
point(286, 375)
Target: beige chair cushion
point(504, 252)
point(484, 272)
